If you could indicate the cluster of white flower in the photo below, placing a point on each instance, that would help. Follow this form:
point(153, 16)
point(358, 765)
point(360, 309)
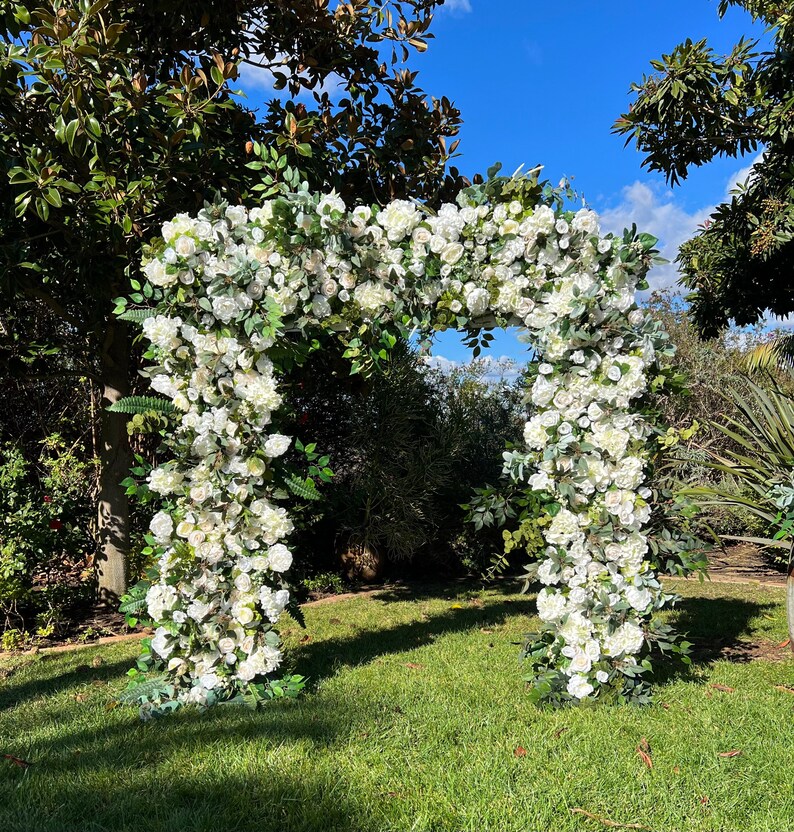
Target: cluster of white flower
point(230, 278)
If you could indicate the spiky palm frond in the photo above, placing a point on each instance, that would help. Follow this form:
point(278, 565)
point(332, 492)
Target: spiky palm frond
point(779, 352)
point(764, 438)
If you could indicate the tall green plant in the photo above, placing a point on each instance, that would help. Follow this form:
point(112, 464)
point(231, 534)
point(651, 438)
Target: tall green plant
point(763, 461)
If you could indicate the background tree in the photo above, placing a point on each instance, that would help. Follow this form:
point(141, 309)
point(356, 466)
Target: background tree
point(697, 106)
point(114, 116)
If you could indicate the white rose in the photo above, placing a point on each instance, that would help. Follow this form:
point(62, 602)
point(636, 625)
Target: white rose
point(277, 444)
point(452, 253)
point(279, 558)
point(162, 527)
point(579, 687)
point(224, 308)
point(185, 246)
point(243, 582)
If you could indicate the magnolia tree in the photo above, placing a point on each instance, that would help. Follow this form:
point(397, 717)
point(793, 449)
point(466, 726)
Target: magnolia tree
point(233, 295)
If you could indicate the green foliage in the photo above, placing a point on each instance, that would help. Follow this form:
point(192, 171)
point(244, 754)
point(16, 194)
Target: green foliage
point(713, 367)
point(112, 121)
point(133, 604)
point(407, 446)
point(45, 515)
point(762, 458)
point(305, 489)
point(325, 582)
point(142, 405)
point(698, 106)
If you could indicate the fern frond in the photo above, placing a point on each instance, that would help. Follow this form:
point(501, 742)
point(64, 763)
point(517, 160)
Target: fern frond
point(303, 488)
point(132, 606)
point(141, 404)
point(143, 691)
point(137, 316)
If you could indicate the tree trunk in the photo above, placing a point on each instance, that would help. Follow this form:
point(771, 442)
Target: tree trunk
point(113, 519)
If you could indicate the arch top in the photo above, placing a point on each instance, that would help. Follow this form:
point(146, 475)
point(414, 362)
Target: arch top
point(228, 285)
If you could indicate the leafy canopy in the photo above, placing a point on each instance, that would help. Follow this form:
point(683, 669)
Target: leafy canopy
point(698, 106)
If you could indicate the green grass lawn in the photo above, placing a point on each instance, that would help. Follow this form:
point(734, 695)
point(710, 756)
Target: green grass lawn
point(415, 719)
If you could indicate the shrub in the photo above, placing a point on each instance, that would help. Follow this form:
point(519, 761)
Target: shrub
point(47, 543)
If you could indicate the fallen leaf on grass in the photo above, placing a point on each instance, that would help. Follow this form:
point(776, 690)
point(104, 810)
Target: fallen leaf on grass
point(733, 753)
point(520, 751)
point(676, 770)
point(306, 639)
point(97, 661)
point(607, 822)
point(456, 607)
point(723, 688)
point(644, 753)
point(785, 643)
point(560, 731)
point(17, 761)
point(704, 800)
point(784, 689)
point(414, 665)
point(485, 630)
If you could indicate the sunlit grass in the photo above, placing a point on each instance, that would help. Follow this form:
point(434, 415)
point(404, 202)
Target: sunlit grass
point(412, 721)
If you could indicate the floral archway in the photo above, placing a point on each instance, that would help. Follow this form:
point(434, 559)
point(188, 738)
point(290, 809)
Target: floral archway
point(233, 295)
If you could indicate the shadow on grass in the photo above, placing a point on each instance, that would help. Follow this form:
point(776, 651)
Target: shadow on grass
point(13, 692)
point(187, 773)
point(719, 630)
point(321, 659)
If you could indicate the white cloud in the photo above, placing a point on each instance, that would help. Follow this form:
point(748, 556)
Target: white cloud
point(740, 177)
point(261, 79)
point(457, 6)
point(657, 213)
point(495, 369)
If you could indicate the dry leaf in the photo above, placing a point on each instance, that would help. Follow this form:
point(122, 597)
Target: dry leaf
point(414, 665)
point(784, 689)
point(723, 688)
point(607, 822)
point(676, 770)
point(485, 630)
point(97, 661)
point(17, 761)
point(306, 639)
point(520, 751)
point(733, 753)
point(704, 800)
point(560, 731)
point(785, 643)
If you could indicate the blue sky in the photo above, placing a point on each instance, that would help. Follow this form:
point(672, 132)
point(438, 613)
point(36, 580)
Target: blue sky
point(542, 83)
